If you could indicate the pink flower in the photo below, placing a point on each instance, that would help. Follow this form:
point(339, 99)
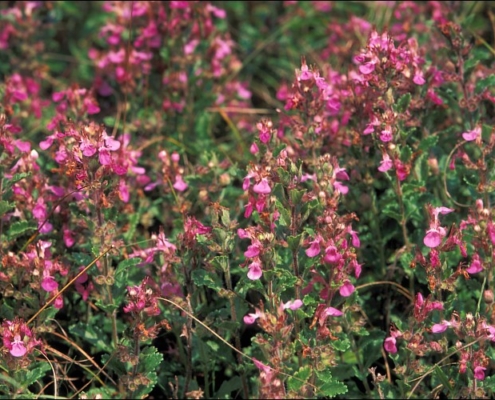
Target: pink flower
point(341, 188)
point(254, 148)
point(262, 187)
point(347, 289)
point(433, 238)
point(251, 318)
point(314, 249)
point(390, 345)
point(49, 284)
point(252, 251)
point(479, 373)
point(442, 327)
point(18, 348)
point(386, 135)
point(293, 304)
point(472, 135)
point(332, 312)
point(475, 266)
point(179, 184)
point(385, 164)
point(255, 271)
point(332, 255)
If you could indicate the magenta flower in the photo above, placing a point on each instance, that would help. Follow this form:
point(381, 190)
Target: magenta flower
point(179, 184)
point(385, 164)
point(472, 135)
point(255, 271)
point(479, 373)
point(475, 266)
point(252, 251)
point(262, 187)
point(332, 312)
point(390, 345)
point(332, 255)
point(314, 249)
point(293, 304)
point(251, 318)
point(49, 284)
point(347, 289)
point(433, 237)
point(441, 327)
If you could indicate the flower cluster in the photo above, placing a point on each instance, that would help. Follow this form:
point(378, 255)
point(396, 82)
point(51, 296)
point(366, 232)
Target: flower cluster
point(18, 338)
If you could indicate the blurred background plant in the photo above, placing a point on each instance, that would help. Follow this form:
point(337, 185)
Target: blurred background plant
point(246, 199)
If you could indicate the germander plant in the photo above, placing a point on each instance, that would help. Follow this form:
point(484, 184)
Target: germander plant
point(159, 237)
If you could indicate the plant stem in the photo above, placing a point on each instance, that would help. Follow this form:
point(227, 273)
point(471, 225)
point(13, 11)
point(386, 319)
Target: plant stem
point(233, 315)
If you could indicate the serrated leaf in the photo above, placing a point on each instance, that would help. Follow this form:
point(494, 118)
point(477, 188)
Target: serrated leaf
point(5, 206)
point(35, 374)
point(403, 103)
point(329, 386)
point(221, 262)
point(19, 228)
point(297, 381)
point(427, 143)
point(91, 334)
point(150, 359)
point(341, 344)
point(17, 177)
point(126, 264)
point(204, 278)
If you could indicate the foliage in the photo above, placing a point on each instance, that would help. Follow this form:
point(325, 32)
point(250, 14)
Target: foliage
point(247, 199)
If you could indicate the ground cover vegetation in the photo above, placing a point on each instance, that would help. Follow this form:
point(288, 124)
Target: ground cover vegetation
point(247, 199)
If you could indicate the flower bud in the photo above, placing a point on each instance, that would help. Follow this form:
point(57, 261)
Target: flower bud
point(488, 296)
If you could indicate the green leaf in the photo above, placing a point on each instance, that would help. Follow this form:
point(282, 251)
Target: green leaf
point(485, 83)
point(403, 103)
point(294, 242)
point(329, 386)
point(17, 177)
point(134, 219)
point(82, 258)
point(342, 344)
point(297, 381)
point(19, 228)
point(371, 347)
point(390, 212)
point(91, 334)
point(284, 218)
point(443, 378)
point(225, 218)
point(296, 196)
point(227, 387)
point(221, 262)
point(150, 359)
point(5, 206)
point(405, 153)
point(427, 143)
point(204, 278)
point(35, 374)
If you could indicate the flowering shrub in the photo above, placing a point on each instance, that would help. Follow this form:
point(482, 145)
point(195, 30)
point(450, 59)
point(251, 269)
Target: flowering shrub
point(247, 200)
